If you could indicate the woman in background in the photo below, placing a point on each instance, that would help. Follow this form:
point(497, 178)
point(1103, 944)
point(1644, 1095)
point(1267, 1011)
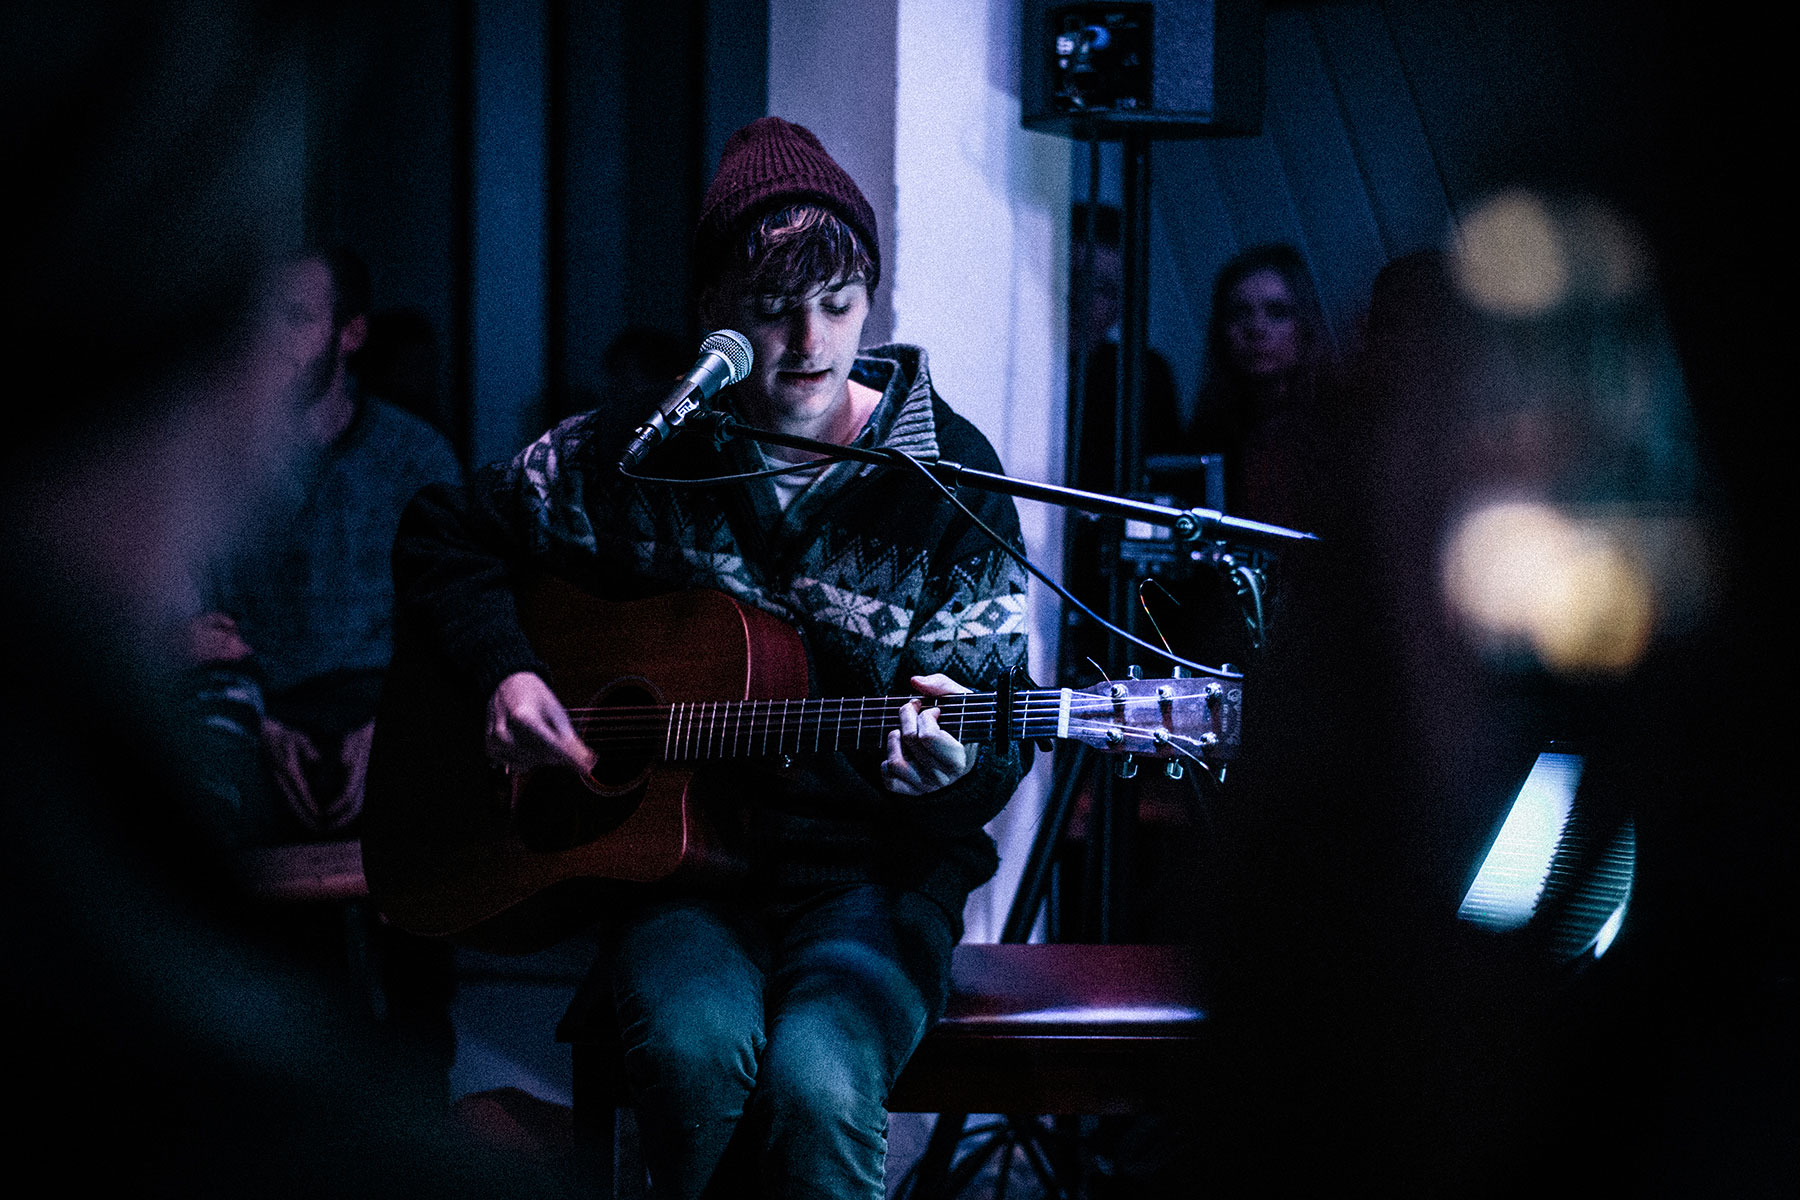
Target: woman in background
point(1270, 369)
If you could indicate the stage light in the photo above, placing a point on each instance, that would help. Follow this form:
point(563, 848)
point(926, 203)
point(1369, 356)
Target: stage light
point(1557, 870)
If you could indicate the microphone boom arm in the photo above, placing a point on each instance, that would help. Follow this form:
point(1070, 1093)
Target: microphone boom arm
point(1187, 524)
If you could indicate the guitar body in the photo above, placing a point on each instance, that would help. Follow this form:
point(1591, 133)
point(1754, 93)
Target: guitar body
point(515, 862)
point(453, 846)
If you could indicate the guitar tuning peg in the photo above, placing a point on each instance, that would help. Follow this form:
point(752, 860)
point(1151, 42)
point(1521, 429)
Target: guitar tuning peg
point(1178, 673)
point(1127, 767)
point(1134, 671)
point(1173, 769)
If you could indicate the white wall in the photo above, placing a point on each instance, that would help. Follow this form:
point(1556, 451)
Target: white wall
point(831, 69)
point(918, 99)
point(980, 280)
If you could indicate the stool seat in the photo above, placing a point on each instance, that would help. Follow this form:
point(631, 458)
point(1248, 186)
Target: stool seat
point(304, 871)
point(1062, 1029)
point(1035, 1028)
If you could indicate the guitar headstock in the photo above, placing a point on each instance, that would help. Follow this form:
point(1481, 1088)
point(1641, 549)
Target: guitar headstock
point(1190, 717)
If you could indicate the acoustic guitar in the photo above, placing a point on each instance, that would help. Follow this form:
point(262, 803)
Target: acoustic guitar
point(660, 687)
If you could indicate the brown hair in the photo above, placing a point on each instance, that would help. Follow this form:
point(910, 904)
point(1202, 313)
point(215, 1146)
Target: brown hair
point(790, 252)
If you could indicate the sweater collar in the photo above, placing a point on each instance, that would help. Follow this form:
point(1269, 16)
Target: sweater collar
point(903, 420)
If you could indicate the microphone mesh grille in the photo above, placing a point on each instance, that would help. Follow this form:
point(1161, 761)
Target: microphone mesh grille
point(734, 347)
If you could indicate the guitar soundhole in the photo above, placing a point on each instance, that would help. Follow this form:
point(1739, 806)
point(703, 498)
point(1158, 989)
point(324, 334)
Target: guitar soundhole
point(623, 759)
point(559, 810)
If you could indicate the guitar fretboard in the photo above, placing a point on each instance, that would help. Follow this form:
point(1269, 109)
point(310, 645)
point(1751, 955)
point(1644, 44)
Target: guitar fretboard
point(744, 728)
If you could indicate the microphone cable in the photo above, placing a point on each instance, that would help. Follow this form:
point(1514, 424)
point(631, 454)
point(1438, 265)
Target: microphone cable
point(900, 457)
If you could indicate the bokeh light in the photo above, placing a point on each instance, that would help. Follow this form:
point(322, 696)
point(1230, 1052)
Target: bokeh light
point(1525, 574)
point(1520, 255)
point(1509, 257)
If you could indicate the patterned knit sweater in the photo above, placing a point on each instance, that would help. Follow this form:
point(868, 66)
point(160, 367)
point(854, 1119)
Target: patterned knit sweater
point(882, 578)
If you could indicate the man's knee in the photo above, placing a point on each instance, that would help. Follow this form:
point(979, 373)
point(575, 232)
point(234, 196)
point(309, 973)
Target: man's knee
point(826, 1102)
point(701, 1045)
point(826, 1126)
point(822, 1065)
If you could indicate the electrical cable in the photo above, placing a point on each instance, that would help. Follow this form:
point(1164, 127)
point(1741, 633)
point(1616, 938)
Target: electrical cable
point(899, 457)
point(1020, 558)
point(717, 480)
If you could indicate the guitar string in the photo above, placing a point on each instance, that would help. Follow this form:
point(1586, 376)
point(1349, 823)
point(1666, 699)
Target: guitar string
point(717, 722)
point(762, 714)
point(885, 708)
point(754, 709)
point(762, 711)
point(961, 704)
point(701, 728)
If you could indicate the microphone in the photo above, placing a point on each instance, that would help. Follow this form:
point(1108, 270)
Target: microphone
point(725, 358)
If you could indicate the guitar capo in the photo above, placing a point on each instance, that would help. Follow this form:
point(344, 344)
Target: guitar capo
point(1010, 683)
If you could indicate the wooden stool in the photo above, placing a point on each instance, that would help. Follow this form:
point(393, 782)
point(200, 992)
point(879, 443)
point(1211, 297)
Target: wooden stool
point(305, 871)
point(321, 874)
point(1034, 1029)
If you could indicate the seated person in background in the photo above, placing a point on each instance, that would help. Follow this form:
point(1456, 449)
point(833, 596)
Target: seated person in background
point(769, 1012)
point(301, 627)
point(1269, 368)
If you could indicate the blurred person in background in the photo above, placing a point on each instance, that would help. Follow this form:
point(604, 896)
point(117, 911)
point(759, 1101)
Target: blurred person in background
point(1270, 376)
point(159, 1040)
point(310, 594)
point(1517, 541)
point(298, 633)
point(1097, 285)
point(1092, 559)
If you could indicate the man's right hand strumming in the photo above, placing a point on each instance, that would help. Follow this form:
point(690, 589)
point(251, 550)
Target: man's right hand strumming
point(527, 726)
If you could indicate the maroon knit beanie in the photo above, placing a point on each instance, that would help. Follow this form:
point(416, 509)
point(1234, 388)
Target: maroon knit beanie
point(769, 164)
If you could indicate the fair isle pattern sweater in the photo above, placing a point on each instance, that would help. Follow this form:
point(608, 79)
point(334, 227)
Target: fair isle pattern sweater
point(882, 578)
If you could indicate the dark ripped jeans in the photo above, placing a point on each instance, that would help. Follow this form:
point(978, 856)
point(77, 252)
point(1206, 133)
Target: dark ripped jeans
point(761, 1038)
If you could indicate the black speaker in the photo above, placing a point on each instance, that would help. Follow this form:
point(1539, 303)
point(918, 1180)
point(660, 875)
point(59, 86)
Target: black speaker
point(1166, 68)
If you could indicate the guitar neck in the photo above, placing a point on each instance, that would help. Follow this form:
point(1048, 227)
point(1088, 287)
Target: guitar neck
point(749, 728)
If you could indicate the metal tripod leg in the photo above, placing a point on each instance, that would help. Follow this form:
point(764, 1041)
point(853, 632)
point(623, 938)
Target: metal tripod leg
point(1065, 787)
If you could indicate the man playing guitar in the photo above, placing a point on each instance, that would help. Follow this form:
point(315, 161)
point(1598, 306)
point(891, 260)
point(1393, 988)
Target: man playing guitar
point(766, 1015)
